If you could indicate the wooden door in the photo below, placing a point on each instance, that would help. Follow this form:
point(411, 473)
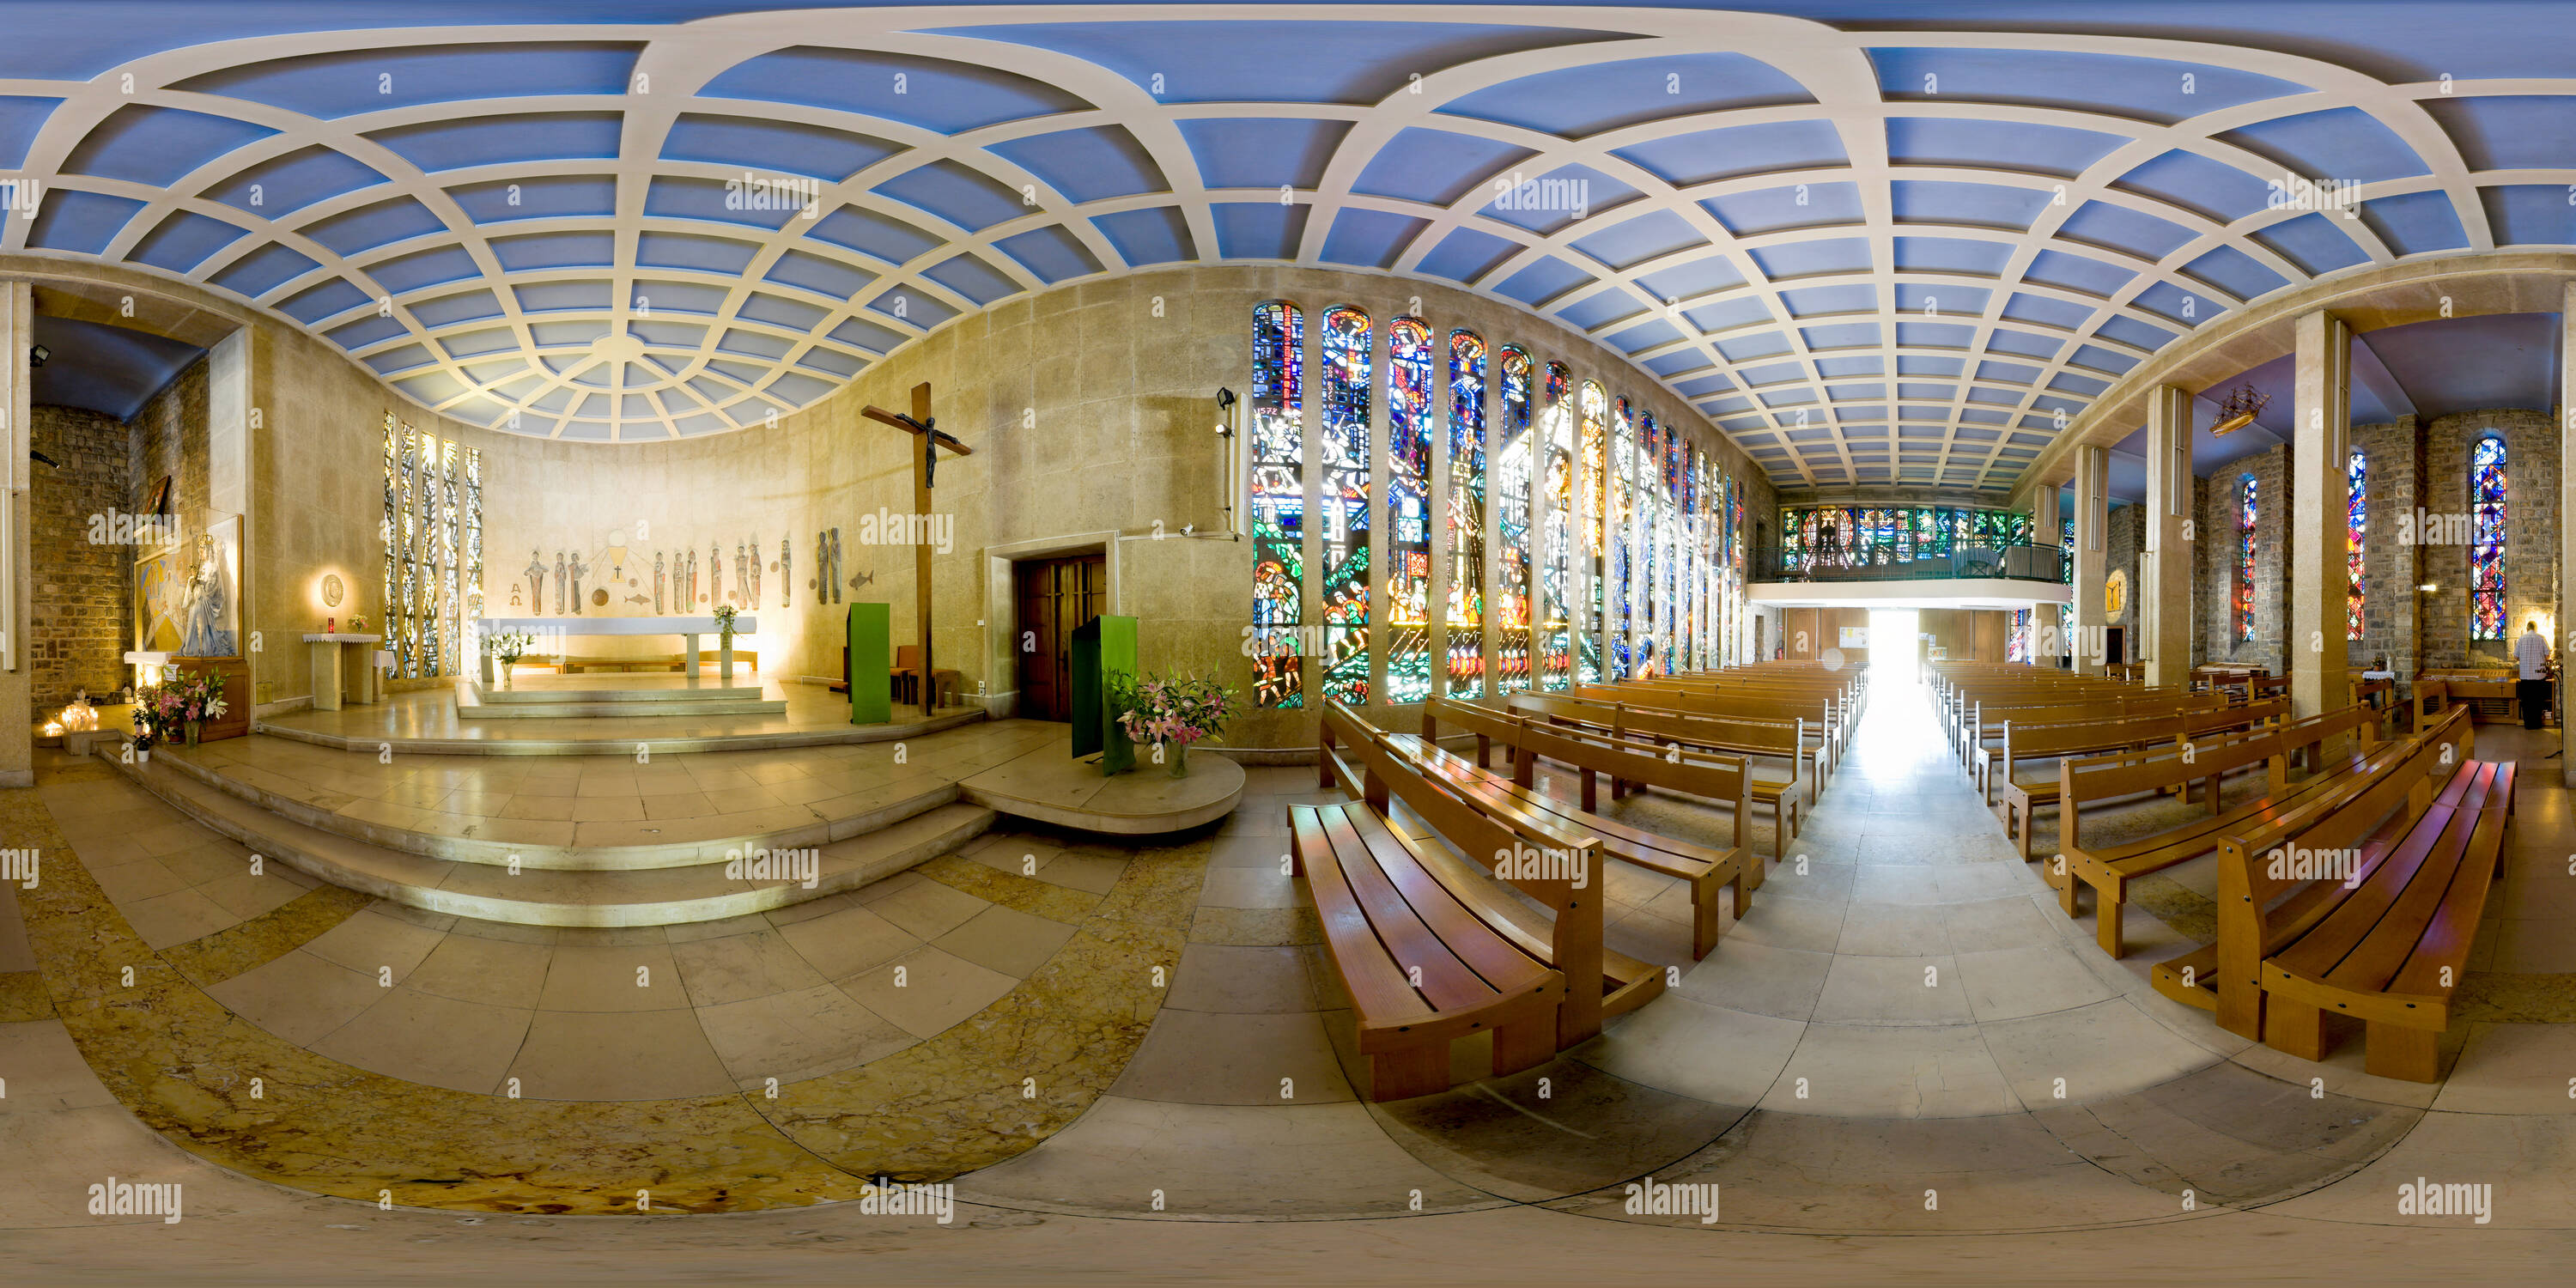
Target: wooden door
point(1055, 596)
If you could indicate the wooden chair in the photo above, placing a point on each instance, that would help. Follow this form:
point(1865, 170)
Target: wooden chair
point(906, 673)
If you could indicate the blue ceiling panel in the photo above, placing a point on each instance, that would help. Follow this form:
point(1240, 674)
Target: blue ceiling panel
point(829, 278)
point(1727, 315)
point(1595, 310)
point(1928, 364)
point(967, 198)
point(1267, 61)
point(2149, 89)
point(1800, 205)
point(912, 308)
point(1370, 238)
point(1649, 236)
point(2008, 145)
point(68, 219)
point(2342, 143)
point(158, 145)
point(970, 276)
point(434, 267)
point(2526, 214)
point(500, 139)
point(872, 233)
point(1951, 255)
point(654, 296)
point(2098, 358)
point(2077, 273)
point(786, 147)
point(1645, 336)
point(183, 241)
point(2138, 334)
point(860, 333)
point(368, 227)
point(1984, 205)
point(327, 299)
point(1933, 335)
point(1465, 255)
point(353, 82)
point(537, 197)
point(2235, 272)
point(1437, 166)
point(1258, 230)
point(2416, 223)
point(2196, 183)
point(1543, 279)
point(1812, 301)
point(779, 311)
point(280, 186)
point(555, 250)
point(1546, 202)
point(1581, 101)
point(258, 272)
point(1813, 258)
point(21, 117)
point(717, 201)
point(552, 297)
point(1093, 164)
point(1246, 152)
point(2314, 242)
point(366, 331)
point(926, 93)
point(1709, 155)
point(2120, 228)
point(1940, 299)
point(1743, 349)
point(1698, 277)
point(1051, 253)
point(466, 306)
point(1155, 235)
point(1841, 335)
point(2510, 131)
point(1836, 368)
point(1677, 362)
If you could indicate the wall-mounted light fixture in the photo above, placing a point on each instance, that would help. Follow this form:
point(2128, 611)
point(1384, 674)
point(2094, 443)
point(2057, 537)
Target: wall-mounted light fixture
point(2426, 589)
point(1225, 413)
point(37, 356)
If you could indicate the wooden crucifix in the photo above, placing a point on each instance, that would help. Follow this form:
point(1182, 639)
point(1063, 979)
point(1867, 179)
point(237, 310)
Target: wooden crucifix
point(924, 468)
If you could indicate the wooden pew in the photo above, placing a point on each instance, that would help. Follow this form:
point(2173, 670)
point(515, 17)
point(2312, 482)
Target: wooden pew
point(1567, 885)
point(1719, 778)
point(1780, 742)
point(2053, 741)
point(2386, 942)
point(2093, 780)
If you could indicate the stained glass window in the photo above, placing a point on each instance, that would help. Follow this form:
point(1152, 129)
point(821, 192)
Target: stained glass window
point(1278, 501)
point(2017, 645)
point(1567, 509)
point(433, 539)
point(1835, 537)
point(1512, 480)
point(2356, 531)
point(1622, 535)
point(1408, 510)
point(1595, 411)
point(1466, 515)
point(2486, 539)
point(1346, 446)
point(2245, 517)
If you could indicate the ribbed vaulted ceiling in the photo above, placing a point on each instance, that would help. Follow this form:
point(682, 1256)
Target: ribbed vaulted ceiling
point(1871, 256)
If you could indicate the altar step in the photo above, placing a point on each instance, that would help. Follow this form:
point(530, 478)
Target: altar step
point(477, 702)
point(538, 897)
point(544, 845)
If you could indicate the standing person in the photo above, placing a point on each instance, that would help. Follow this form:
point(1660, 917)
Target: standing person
point(2532, 653)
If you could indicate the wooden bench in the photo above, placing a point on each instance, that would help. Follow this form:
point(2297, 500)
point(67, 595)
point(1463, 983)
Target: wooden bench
point(2093, 780)
point(1721, 778)
point(2056, 741)
point(1558, 868)
point(1976, 759)
point(1781, 742)
point(2383, 936)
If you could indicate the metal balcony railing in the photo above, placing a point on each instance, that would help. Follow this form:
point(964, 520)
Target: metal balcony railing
point(1880, 563)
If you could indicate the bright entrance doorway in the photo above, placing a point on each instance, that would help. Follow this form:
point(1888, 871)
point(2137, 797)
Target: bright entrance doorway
point(1895, 647)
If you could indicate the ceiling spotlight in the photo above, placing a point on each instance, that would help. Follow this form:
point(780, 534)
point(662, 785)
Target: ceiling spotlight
point(2242, 405)
point(1225, 413)
point(36, 356)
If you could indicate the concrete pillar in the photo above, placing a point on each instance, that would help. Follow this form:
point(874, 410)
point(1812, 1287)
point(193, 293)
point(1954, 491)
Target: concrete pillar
point(2566, 530)
point(2317, 644)
point(2047, 532)
point(17, 678)
point(2165, 565)
point(2092, 540)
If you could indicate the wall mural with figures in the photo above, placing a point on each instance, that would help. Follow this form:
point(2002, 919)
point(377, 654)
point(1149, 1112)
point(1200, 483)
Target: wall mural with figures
point(606, 574)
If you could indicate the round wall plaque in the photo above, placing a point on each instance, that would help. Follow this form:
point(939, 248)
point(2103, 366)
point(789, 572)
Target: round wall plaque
point(332, 590)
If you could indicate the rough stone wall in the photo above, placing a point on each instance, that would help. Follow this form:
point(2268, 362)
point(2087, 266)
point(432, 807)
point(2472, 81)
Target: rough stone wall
point(77, 624)
point(2220, 561)
point(2530, 568)
point(2394, 469)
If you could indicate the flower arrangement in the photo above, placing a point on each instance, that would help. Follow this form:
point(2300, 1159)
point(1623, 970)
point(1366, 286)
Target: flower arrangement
point(1175, 711)
point(357, 624)
point(725, 614)
point(180, 704)
point(509, 646)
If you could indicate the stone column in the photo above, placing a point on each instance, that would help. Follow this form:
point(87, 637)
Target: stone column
point(17, 678)
point(2316, 549)
point(2165, 566)
point(2047, 532)
point(2092, 519)
point(2566, 506)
